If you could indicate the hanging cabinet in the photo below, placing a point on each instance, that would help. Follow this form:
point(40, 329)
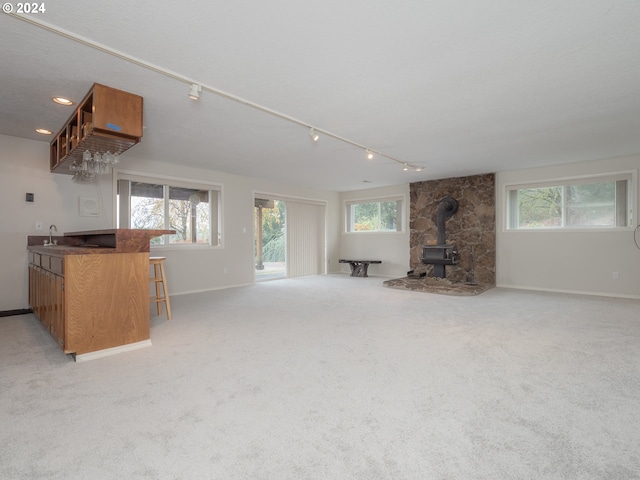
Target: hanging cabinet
point(107, 119)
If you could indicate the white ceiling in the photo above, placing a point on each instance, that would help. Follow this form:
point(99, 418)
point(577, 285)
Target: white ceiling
point(458, 86)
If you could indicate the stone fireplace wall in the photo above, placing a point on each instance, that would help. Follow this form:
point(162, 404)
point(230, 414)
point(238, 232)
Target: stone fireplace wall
point(472, 228)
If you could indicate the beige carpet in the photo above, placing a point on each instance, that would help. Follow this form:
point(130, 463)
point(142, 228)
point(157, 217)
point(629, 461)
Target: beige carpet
point(335, 378)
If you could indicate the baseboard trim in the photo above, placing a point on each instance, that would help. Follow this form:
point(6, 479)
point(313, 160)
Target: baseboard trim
point(20, 311)
point(188, 292)
point(572, 292)
point(85, 357)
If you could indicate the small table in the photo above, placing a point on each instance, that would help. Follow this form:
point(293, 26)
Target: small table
point(359, 267)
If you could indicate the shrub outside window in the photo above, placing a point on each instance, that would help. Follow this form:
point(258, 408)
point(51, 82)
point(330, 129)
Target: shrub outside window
point(383, 215)
point(596, 202)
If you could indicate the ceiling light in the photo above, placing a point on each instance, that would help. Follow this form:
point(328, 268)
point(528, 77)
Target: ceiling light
point(418, 169)
point(44, 131)
point(62, 101)
point(194, 93)
point(405, 167)
point(369, 154)
point(314, 135)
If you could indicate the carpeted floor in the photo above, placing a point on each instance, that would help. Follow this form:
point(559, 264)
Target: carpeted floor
point(335, 378)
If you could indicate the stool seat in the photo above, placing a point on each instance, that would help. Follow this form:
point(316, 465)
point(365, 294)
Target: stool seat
point(162, 294)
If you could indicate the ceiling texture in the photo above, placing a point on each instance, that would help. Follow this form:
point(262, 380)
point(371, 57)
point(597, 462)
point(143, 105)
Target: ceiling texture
point(458, 87)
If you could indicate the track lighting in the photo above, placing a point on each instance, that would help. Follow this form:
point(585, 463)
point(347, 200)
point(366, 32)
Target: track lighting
point(195, 89)
point(369, 154)
point(194, 93)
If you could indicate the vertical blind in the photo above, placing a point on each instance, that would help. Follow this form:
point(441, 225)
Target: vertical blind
point(305, 239)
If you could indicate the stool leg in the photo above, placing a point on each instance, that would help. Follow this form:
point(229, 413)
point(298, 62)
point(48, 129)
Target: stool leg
point(156, 273)
point(166, 292)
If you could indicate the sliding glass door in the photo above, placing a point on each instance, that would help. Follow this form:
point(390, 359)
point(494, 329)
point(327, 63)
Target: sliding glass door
point(289, 238)
point(270, 239)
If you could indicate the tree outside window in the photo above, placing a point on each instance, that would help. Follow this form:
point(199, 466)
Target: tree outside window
point(374, 216)
point(188, 211)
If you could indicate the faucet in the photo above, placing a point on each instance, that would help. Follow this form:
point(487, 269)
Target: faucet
point(52, 228)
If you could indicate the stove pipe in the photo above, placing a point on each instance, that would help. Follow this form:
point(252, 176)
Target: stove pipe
point(446, 208)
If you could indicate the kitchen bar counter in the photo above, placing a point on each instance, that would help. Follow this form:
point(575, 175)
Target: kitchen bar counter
point(91, 291)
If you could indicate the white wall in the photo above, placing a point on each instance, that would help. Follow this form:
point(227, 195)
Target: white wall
point(568, 261)
point(24, 168)
point(391, 248)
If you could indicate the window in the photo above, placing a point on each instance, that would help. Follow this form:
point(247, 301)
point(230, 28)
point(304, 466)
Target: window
point(192, 210)
point(383, 215)
point(596, 202)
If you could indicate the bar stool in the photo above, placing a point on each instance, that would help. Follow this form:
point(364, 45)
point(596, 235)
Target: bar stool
point(162, 295)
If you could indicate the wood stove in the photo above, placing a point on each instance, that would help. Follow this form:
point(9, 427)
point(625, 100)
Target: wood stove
point(441, 254)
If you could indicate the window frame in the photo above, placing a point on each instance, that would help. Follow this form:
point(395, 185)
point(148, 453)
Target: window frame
point(216, 194)
point(511, 189)
point(400, 215)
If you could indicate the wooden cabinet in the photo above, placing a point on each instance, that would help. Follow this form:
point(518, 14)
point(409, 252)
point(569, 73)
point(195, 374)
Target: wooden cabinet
point(107, 119)
point(46, 294)
point(99, 302)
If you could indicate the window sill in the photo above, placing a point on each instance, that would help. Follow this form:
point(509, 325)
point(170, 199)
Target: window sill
point(374, 232)
point(570, 230)
point(155, 248)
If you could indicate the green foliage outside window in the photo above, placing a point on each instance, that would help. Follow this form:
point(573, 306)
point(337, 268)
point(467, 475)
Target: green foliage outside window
point(374, 216)
point(577, 204)
point(273, 232)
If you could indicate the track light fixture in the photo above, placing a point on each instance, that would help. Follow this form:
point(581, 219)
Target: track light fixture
point(194, 93)
point(370, 154)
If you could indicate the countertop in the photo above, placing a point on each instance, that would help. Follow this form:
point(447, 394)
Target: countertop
point(95, 242)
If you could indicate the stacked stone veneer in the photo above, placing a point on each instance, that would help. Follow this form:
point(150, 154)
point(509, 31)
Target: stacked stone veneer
point(472, 228)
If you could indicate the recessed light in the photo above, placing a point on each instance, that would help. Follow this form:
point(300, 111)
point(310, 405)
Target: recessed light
point(44, 131)
point(62, 101)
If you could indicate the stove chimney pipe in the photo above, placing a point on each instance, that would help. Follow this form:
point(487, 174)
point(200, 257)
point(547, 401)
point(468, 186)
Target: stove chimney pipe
point(446, 208)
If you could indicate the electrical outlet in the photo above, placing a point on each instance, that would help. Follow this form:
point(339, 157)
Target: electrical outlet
point(38, 226)
point(226, 270)
point(616, 275)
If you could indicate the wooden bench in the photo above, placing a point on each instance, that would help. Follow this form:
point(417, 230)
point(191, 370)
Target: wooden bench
point(359, 267)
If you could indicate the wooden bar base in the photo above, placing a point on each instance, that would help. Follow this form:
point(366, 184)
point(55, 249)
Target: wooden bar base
point(91, 291)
